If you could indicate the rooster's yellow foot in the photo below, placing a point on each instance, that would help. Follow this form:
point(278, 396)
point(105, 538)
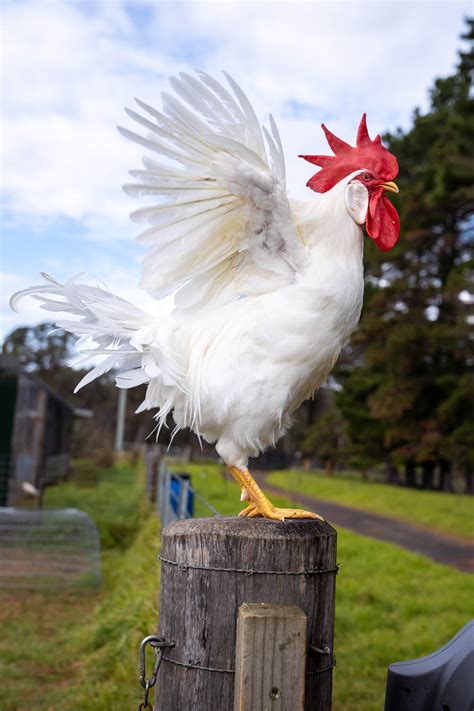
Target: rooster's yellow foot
point(275, 513)
point(259, 504)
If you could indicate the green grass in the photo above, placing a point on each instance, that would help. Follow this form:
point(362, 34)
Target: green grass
point(128, 612)
point(391, 605)
point(448, 513)
point(115, 504)
point(65, 651)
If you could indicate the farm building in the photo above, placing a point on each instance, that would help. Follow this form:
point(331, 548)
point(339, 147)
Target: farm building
point(35, 431)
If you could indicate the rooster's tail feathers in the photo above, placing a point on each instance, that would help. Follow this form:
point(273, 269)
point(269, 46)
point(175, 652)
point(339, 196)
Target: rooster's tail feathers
point(107, 328)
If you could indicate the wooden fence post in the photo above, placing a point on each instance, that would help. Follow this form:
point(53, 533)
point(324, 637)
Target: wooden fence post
point(155, 464)
point(164, 494)
point(210, 567)
point(152, 461)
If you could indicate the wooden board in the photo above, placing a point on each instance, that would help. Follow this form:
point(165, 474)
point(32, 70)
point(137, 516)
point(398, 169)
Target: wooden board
point(270, 658)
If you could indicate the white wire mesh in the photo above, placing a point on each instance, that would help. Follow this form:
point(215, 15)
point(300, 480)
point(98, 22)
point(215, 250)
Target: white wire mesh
point(48, 548)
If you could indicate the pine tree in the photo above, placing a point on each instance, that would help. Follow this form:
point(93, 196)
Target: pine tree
point(414, 373)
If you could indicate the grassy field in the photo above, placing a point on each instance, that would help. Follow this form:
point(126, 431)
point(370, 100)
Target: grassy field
point(391, 605)
point(79, 652)
point(448, 513)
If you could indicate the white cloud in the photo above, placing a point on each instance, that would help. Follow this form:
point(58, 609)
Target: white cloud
point(69, 77)
point(342, 58)
point(70, 73)
point(70, 68)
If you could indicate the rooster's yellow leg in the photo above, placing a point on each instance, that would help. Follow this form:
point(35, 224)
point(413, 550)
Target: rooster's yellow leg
point(259, 504)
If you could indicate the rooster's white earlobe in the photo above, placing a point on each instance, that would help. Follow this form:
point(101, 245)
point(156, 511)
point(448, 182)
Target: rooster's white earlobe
point(357, 201)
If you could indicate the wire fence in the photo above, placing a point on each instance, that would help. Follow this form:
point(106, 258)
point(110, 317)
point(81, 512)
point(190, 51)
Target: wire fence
point(18, 471)
point(42, 548)
point(6, 471)
point(48, 548)
point(172, 492)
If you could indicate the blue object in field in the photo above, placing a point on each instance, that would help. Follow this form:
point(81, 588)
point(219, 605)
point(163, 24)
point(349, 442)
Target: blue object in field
point(442, 681)
point(176, 485)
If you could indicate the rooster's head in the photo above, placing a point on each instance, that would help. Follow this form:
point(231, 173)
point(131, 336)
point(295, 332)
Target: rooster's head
point(378, 169)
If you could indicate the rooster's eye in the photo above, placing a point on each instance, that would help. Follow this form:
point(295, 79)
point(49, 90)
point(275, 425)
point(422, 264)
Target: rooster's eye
point(365, 176)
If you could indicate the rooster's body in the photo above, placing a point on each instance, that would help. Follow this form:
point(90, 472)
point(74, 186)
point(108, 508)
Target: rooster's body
point(268, 290)
point(249, 364)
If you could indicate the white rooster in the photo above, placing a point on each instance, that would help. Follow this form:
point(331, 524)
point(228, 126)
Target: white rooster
point(268, 290)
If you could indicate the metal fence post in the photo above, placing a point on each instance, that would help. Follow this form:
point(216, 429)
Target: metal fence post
point(165, 512)
point(183, 498)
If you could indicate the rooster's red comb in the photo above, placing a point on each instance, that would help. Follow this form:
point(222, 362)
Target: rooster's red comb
point(346, 159)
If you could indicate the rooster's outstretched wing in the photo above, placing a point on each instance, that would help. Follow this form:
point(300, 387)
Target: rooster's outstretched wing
point(221, 224)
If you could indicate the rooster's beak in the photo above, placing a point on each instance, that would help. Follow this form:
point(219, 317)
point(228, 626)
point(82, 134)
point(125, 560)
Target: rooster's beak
point(391, 187)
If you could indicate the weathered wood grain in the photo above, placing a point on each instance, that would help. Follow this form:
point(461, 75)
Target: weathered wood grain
point(152, 463)
point(199, 607)
point(270, 658)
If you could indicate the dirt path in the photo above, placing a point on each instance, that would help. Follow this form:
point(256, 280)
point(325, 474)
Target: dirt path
point(440, 548)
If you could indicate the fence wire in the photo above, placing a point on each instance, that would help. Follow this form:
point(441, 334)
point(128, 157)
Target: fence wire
point(48, 548)
point(172, 493)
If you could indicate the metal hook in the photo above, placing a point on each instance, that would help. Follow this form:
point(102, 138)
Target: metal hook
point(159, 644)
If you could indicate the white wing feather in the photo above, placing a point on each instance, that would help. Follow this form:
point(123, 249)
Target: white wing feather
point(221, 225)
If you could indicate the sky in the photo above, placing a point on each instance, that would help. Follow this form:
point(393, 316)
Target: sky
point(70, 68)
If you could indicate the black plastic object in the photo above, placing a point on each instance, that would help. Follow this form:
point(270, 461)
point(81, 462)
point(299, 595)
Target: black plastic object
point(442, 681)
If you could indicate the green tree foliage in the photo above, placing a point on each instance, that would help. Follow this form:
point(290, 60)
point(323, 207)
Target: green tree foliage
point(43, 348)
point(413, 380)
point(365, 435)
point(326, 437)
